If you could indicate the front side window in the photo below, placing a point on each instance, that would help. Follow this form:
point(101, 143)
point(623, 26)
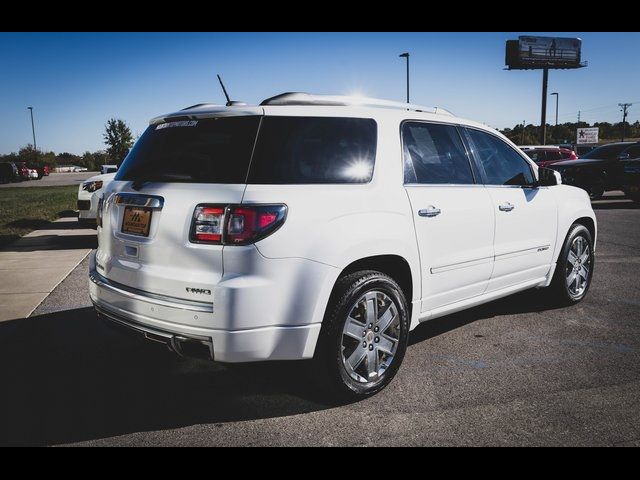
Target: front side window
point(501, 163)
point(434, 154)
point(312, 150)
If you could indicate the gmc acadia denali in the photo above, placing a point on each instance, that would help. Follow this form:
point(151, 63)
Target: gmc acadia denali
point(326, 228)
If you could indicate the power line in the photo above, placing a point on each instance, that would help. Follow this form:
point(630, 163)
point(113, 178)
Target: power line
point(583, 110)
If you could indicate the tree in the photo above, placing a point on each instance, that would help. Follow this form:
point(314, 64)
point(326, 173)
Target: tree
point(118, 139)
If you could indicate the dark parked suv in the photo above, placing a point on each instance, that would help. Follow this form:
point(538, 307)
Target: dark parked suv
point(631, 180)
point(9, 172)
point(601, 169)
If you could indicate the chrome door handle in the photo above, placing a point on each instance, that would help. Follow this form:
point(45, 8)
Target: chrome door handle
point(430, 211)
point(506, 207)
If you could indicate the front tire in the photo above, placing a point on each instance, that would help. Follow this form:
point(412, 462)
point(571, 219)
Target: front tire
point(364, 335)
point(574, 268)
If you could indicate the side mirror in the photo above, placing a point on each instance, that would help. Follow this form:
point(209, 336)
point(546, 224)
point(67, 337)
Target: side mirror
point(548, 177)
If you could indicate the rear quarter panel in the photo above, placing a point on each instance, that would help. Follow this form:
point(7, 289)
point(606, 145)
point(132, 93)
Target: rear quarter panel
point(339, 224)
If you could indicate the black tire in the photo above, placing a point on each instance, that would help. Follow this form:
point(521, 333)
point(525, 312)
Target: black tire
point(561, 291)
point(595, 191)
point(328, 360)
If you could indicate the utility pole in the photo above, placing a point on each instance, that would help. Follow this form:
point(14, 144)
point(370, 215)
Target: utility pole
point(543, 116)
point(623, 108)
point(33, 130)
point(406, 55)
point(578, 116)
point(523, 125)
point(557, 101)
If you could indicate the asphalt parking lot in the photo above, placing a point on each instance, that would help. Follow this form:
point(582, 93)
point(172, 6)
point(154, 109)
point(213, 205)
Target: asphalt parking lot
point(54, 179)
point(512, 372)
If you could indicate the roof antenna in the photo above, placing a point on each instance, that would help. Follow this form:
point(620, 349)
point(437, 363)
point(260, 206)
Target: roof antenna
point(229, 101)
point(224, 90)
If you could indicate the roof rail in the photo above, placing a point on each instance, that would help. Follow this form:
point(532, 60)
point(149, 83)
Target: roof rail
point(201, 105)
point(300, 98)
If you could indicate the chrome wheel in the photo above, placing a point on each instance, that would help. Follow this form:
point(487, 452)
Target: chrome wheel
point(578, 266)
point(370, 336)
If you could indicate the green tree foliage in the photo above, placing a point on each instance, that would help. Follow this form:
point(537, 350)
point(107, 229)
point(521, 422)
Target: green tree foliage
point(566, 132)
point(118, 139)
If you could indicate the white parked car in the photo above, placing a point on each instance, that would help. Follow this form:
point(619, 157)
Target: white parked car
point(108, 168)
point(33, 174)
point(327, 227)
point(89, 193)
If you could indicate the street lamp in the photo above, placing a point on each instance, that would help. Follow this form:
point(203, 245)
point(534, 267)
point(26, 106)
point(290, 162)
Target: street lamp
point(33, 130)
point(557, 100)
point(406, 55)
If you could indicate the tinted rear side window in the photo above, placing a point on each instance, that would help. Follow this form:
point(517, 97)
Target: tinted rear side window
point(216, 150)
point(310, 150)
point(434, 154)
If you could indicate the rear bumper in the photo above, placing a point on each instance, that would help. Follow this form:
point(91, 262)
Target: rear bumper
point(167, 320)
point(253, 345)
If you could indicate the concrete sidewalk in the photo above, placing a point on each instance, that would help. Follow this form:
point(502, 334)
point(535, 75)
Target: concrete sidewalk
point(32, 266)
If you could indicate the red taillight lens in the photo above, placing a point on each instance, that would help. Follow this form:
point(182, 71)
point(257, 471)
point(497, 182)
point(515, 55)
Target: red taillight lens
point(207, 224)
point(236, 224)
point(248, 224)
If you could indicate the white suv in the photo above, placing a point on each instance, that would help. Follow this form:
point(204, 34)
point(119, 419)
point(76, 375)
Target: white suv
point(327, 227)
point(89, 194)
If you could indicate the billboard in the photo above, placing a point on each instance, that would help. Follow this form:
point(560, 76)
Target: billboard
point(530, 52)
point(587, 135)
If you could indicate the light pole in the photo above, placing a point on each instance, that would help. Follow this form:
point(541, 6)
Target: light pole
point(406, 55)
point(557, 100)
point(524, 123)
point(33, 130)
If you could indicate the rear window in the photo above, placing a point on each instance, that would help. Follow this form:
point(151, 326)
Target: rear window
point(289, 150)
point(216, 150)
point(308, 150)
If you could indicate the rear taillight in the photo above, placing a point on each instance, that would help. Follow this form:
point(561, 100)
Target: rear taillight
point(235, 224)
point(207, 224)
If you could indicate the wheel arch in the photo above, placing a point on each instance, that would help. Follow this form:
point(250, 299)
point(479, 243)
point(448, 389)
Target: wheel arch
point(395, 266)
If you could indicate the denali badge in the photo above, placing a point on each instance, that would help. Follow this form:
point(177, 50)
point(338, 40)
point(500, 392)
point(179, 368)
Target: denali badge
point(202, 291)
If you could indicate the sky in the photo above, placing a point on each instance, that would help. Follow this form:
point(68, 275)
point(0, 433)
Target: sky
point(77, 81)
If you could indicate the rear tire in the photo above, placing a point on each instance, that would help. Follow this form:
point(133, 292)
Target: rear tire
point(364, 335)
point(595, 191)
point(574, 268)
